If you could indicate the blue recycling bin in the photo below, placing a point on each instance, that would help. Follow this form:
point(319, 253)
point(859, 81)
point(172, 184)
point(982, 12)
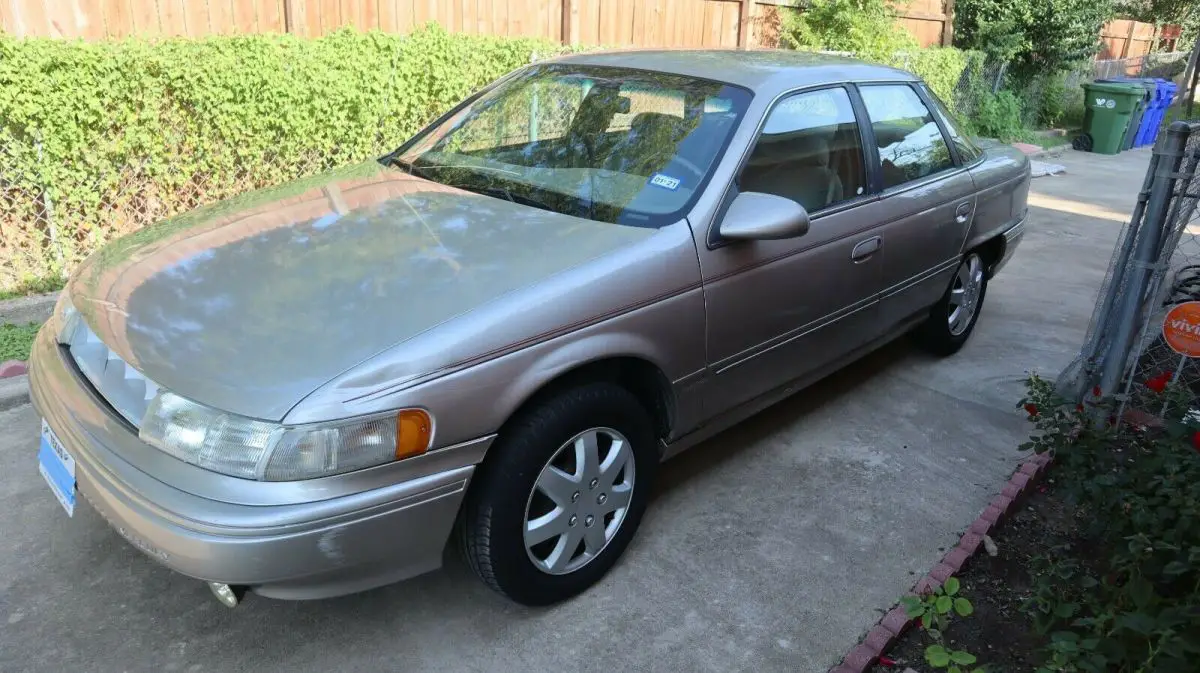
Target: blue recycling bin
point(1163, 98)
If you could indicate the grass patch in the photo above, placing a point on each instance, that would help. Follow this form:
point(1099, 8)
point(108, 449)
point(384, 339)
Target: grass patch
point(1045, 142)
point(16, 340)
point(30, 286)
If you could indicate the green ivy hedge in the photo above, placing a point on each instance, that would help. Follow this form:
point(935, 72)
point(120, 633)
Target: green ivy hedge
point(98, 139)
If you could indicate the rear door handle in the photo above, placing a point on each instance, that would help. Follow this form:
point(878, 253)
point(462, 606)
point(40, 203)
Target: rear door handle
point(866, 248)
point(962, 213)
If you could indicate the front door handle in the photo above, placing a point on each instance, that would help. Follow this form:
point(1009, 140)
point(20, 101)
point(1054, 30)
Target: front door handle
point(962, 213)
point(866, 248)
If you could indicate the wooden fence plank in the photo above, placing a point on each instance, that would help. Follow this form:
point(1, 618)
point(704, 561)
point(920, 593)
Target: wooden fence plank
point(368, 14)
point(196, 18)
point(728, 24)
point(655, 34)
point(311, 17)
point(330, 15)
point(144, 18)
point(589, 13)
point(483, 17)
point(388, 17)
point(350, 13)
point(423, 11)
point(552, 26)
point(220, 15)
point(89, 18)
point(638, 32)
point(270, 16)
point(61, 20)
point(30, 19)
point(8, 18)
point(406, 15)
point(245, 17)
point(712, 23)
point(171, 17)
point(117, 20)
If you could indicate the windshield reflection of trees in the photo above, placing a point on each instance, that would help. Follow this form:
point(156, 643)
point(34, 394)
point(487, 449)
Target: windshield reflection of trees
point(549, 138)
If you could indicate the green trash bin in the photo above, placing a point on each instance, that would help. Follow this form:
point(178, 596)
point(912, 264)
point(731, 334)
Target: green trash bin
point(1107, 111)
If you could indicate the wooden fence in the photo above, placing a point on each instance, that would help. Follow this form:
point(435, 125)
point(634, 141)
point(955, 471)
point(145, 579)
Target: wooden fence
point(1123, 38)
point(642, 23)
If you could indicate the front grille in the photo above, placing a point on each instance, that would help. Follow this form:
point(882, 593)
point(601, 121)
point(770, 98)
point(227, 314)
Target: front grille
point(122, 386)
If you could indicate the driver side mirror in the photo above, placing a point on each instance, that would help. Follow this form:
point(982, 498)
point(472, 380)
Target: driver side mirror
point(756, 216)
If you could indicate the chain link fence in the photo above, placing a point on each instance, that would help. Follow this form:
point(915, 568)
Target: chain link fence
point(1155, 267)
point(1165, 65)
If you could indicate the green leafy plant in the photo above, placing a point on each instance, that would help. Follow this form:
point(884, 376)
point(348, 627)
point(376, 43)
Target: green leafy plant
point(997, 116)
point(1134, 605)
point(1035, 36)
point(868, 29)
point(951, 660)
point(16, 340)
point(933, 611)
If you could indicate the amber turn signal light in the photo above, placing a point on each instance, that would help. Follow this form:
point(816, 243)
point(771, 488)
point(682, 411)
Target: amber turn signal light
point(414, 429)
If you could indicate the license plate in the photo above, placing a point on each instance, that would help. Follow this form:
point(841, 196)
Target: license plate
point(57, 468)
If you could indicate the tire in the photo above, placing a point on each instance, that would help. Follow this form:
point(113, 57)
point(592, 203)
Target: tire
point(941, 334)
point(507, 492)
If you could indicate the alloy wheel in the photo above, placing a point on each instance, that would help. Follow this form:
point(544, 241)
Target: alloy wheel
point(579, 501)
point(964, 295)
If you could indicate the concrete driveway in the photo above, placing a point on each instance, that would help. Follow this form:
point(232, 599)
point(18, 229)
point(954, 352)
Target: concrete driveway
point(773, 547)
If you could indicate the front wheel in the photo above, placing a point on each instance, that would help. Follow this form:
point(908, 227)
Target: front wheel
point(952, 319)
point(560, 495)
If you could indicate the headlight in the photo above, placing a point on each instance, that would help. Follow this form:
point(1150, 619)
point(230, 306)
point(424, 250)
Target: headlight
point(250, 449)
point(68, 319)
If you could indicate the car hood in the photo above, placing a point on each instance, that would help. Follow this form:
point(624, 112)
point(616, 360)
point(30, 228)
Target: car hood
point(250, 304)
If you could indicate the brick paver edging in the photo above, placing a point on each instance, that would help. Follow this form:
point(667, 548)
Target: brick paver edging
point(895, 623)
point(10, 368)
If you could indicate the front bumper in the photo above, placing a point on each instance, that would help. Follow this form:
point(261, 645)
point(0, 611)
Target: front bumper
point(294, 540)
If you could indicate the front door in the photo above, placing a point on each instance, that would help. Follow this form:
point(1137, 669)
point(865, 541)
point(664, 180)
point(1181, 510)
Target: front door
point(778, 310)
point(929, 199)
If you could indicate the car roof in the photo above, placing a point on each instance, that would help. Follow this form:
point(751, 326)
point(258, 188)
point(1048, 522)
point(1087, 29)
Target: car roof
point(761, 71)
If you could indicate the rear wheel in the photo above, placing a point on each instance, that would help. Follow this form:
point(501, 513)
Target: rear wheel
point(952, 319)
point(560, 495)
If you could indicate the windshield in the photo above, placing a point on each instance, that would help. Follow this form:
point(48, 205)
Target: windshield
point(609, 144)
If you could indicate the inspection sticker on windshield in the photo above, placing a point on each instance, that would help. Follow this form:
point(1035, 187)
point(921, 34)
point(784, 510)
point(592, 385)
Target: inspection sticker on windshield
point(665, 181)
point(57, 468)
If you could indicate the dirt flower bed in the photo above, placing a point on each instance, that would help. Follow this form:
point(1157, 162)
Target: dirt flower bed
point(1098, 570)
point(998, 632)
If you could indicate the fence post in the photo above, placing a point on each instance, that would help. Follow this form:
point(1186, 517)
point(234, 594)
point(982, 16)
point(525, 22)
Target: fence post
point(999, 77)
point(568, 7)
point(1190, 75)
point(744, 18)
point(291, 16)
point(948, 23)
point(1146, 252)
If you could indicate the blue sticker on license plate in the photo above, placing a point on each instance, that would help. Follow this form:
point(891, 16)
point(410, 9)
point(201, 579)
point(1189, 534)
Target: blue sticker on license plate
point(57, 468)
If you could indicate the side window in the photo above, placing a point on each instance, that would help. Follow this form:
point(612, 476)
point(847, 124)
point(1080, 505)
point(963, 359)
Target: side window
point(966, 149)
point(809, 151)
point(909, 141)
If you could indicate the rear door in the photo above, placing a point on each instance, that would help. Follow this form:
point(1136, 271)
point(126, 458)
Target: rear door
point(928, 197)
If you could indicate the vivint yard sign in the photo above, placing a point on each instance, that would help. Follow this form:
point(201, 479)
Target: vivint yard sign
point(1181, 329)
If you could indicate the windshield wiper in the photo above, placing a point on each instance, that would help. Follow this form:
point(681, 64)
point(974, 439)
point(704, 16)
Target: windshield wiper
point(507, 195)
